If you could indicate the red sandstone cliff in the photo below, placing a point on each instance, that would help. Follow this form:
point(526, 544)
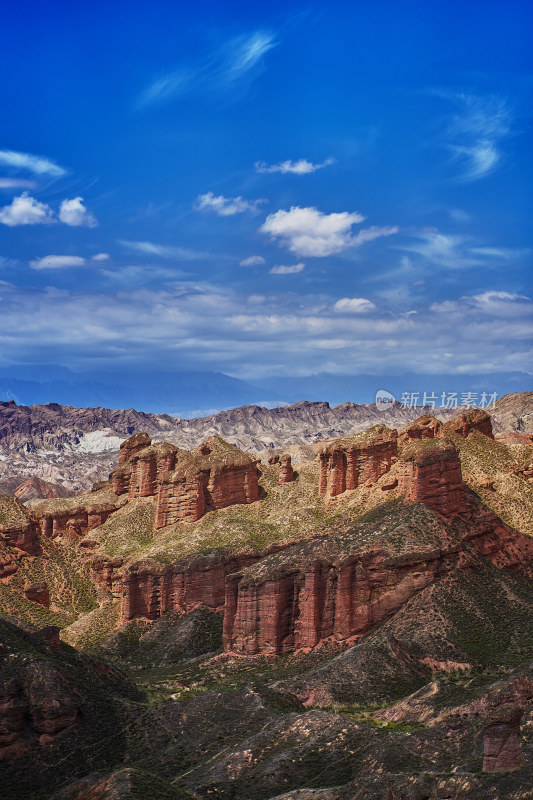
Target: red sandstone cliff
point(345, 586)
point(215, 475)
point(430, 473)
point(350, 462)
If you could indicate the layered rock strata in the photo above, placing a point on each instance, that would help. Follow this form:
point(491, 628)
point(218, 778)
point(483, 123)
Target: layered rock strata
point(350, 462)
point(213, 476)
point(74, 521)
point(149, 588)
point(344, 587)
point(430, 473)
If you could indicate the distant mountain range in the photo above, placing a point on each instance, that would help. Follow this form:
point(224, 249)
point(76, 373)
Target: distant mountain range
point(192, 393)
point(74, 447)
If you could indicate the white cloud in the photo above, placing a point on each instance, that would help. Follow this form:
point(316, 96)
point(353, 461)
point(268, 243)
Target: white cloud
point(58, 262)
point(456, 251)
point(287, 270)
point(300, 167)
point(16, 183)
point(353, 305)
point(231, 67)
point(491, 302)
point(225, 206)
point(100, 257)
point(478, 159)
point(476, 131)
point(26, 210)
point(309, 232)
point(252, 261)
point(459, 215)
point(164, 251)
point(374, 232)
point(73, 212)
point(36, 164)
point(199, 326)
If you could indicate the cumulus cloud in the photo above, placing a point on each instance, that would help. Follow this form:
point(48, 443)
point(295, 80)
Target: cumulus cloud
point(26, 210)
point(100, 257)
point(225, 71)
point(73, 212)
point(299, 167)
point(58, 262)
point(252, 261)
point(309, 232)
point(36, 164)
point(291, 269)
point(353, 305)
point(225, 206)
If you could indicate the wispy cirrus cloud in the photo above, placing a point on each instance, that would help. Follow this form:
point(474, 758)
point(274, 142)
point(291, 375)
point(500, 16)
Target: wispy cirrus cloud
point(226, 206)
point(476, 131)
point(310, 232)
point(454, 251)
point(164, 250)
point(17, 183)
point(299, 167)
point(39, 165)
point(233, 65)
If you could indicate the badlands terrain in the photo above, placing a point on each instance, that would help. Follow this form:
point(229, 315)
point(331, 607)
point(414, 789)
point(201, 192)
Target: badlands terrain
point(307, 602)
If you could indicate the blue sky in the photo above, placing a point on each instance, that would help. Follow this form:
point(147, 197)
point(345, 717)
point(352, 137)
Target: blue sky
point(269, 189)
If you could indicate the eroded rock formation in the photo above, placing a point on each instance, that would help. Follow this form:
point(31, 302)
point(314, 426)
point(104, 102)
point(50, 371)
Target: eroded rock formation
point(18, 529)
point(345, 586)
point(286, 472)
point(37, 592)
point(350, 462)
point(473, 420)
point(150, 588)
point(425, 427)
point(213, 476)
point(430, 473)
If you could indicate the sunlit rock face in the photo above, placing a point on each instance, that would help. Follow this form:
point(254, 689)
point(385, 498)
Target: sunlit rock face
point(354, 461)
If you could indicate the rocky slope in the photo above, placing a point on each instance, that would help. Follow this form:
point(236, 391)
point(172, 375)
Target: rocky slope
point(76, 447)
point(356, 626)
